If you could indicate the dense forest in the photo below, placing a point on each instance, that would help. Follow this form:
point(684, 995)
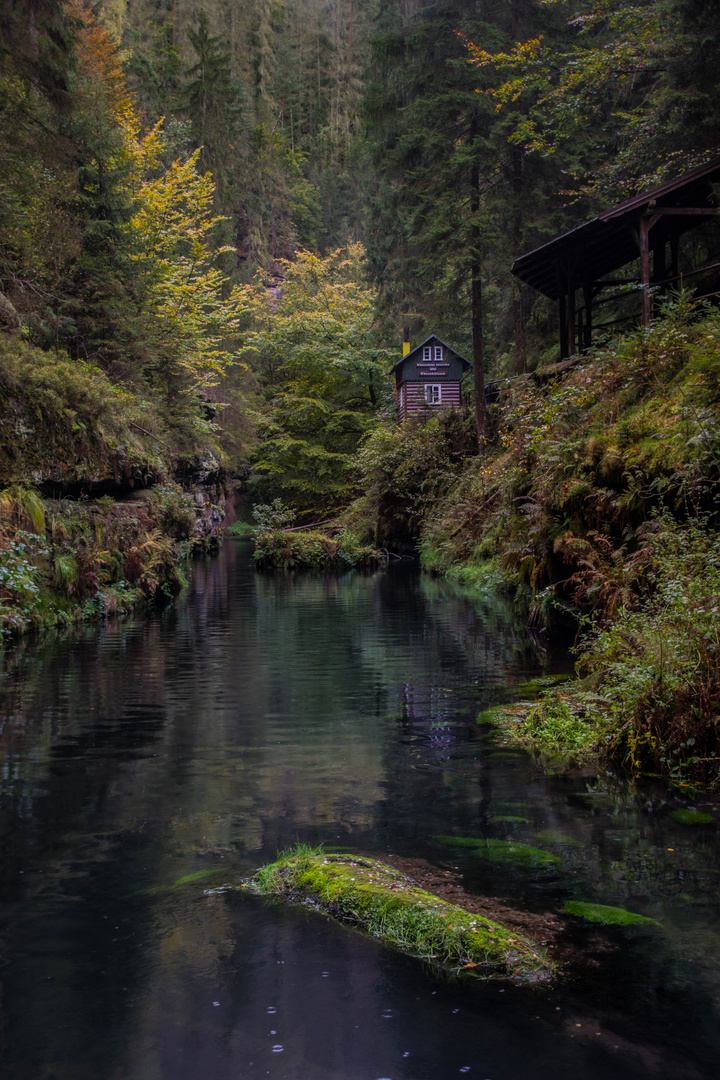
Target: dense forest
point(218, 222)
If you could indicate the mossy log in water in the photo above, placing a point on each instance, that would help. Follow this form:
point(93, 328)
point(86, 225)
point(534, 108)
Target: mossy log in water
point(387, 905)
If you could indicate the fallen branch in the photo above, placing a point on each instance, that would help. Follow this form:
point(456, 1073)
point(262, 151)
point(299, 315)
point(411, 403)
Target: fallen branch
point(312, 525)
point(150, 435)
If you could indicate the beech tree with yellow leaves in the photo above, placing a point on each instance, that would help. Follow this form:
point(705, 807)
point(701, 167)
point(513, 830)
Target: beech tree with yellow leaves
point(190, 325)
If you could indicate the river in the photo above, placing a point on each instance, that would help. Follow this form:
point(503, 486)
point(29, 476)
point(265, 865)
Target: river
point(264, 709)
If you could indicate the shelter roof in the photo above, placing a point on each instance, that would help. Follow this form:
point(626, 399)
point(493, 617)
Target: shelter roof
point(609, 240)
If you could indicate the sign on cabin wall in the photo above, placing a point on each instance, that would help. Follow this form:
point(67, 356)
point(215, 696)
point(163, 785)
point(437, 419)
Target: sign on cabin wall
point(434, 368)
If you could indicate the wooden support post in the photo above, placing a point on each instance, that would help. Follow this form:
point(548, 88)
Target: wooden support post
point(674, 260)
point(563, 327)
point(645, 269)
point(587, 296)
point(572, 341)
point(562, 309)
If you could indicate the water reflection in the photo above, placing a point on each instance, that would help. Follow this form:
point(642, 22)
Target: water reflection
point(339, 710)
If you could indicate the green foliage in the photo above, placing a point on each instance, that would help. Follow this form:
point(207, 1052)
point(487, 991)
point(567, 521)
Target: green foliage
point(562, 494)
point(321, 369)
point(556, 728)
point(657, 662)
point(272, 516)
point(64, 421)
point(405, 469)
point(687, 815)
point(620, 90)
point(242, 529)
point(19, 578)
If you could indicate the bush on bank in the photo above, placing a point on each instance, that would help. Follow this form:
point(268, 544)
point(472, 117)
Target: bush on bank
point(312, 550)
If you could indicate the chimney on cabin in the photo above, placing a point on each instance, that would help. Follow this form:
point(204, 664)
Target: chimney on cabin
point(406, 341)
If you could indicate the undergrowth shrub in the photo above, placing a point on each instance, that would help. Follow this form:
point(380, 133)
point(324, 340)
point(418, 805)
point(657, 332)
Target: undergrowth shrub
point(405, 469)
point(657, 663)
point(89, 560)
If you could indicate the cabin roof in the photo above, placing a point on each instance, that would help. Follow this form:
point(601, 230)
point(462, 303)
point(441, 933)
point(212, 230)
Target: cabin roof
point(435, 338)
point(608, 241)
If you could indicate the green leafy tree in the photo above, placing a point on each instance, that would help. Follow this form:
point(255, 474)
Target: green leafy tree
point(314, 348)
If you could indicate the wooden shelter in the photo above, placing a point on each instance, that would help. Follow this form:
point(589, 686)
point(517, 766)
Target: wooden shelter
point(577, 268)
point(428, 377)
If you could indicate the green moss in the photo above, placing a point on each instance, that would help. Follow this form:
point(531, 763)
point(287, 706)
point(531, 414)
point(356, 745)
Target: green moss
point(386, 904)
point(495, 713)
point(501, 851)
point(512, 818)
point(606, 916)
point(688, 816)
point(187, 879)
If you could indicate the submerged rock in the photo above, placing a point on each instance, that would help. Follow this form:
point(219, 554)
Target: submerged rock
point(502, 851)
point(606, 915)
point(389, 906)
point(688, 815)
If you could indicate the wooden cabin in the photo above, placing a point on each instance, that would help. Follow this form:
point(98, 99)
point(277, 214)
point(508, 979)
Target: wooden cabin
point(428, 378)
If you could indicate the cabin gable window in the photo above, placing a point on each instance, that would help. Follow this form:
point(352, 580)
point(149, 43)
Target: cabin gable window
point(427, 352)
point(433, 394)
point(438, 352)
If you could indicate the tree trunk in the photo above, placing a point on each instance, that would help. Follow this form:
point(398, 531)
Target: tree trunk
point(476, 308)
point(517, 231)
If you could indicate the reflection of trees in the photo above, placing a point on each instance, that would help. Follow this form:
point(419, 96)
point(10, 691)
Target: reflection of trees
point(260, 710)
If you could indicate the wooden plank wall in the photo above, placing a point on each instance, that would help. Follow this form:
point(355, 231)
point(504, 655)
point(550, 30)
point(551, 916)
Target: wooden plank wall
point(412, 398)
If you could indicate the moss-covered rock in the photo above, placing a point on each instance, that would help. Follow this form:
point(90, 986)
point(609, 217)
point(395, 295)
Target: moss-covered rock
point(386, 904)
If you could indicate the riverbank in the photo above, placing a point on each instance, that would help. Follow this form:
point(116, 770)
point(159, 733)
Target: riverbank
point(593, 502)
point(100, 500)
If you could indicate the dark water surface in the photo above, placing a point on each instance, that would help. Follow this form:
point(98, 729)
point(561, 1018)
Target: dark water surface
point(341, 711)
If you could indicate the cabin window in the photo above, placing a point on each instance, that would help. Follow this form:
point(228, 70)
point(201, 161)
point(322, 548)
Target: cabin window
point(432, 395)
point(438, 352)
point(427, 352)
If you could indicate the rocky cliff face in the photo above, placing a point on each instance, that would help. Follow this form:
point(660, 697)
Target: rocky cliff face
point(101, 499)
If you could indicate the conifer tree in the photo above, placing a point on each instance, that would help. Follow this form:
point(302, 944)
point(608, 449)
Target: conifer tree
point(431, 134)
